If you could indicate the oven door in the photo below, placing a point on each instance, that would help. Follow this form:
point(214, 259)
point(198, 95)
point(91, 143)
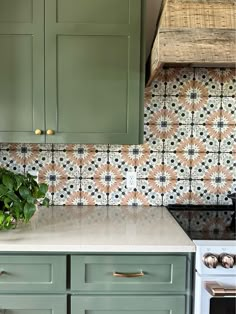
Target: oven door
point(223, 298)
point(215, 295)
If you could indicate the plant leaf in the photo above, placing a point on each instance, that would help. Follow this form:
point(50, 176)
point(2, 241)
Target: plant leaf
point(24, 192)
point(43, 188)
point(31, 199)
point(45, 202)
point(8, 182)
point(19, 180)
point(29, 210)
point(3, 190)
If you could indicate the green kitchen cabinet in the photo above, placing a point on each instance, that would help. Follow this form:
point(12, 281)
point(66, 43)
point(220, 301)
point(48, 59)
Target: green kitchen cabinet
point(64, 283)
point(21, 70)
point(128, 305)
point(33, 304)
point(73, 70)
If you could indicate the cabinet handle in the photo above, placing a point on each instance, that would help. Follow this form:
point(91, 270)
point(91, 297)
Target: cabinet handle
point(215, 289)
point(38, 132)
point(50, 132)
point(128, 275)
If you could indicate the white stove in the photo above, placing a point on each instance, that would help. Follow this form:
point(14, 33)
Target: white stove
point(215, 277)
point(212, 229)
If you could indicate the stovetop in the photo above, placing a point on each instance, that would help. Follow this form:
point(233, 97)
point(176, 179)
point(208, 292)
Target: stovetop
point(206, 222)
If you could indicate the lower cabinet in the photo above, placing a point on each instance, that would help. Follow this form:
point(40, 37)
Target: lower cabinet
point(33, 304)
point(95, 283)
point(128, 304)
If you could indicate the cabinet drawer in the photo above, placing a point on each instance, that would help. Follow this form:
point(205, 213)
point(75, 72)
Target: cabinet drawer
point(32, 274)
point(128, 304)
point(149, 273)
point(32, 304)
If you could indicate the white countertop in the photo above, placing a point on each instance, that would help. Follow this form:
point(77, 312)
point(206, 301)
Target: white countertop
point(98, 229)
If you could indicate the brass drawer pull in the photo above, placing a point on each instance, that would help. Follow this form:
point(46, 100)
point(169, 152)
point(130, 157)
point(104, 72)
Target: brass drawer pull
point(128, 275)
point(216, 290)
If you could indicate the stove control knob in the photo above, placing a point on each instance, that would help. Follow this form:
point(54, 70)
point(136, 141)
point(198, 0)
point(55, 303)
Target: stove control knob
point(226, 260)
point(210, 260)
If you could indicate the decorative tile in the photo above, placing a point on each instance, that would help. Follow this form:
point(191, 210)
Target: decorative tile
point(177, 106)
point(228, 161)
point(67, 192)
point(216, 178)
point(146, 196)
point(8, 161)
point(179, 193)
point(68, 162)
point(208, 135)
point(155, 105)
point(92, 163)
point(210, 80)
point(158, 85)
point(179, 164)
point(229, 80)
point(201, 191)
point(179, 81)
point(63, 147)
point(121, 163)
point(228, 139)
point(40, 162)
point(229, 107)
point(208, 107)
point(146, 165)
point(54, 176)
point(120, 194)
point(178, 134)
point(152, 139)
point(223, 199)
point(200, 167)
point(96, 189)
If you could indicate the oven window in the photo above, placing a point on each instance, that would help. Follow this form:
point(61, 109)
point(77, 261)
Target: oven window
point(226, 305)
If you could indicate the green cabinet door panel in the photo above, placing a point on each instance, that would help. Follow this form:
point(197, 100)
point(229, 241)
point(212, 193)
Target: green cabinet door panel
point(32, 274)
point(22, 70)
point(128, 305)
point(93, 74)
point(161, 273)
point(33, 304)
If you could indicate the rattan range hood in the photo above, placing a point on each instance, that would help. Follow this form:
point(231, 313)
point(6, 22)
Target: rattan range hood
point(196, 33)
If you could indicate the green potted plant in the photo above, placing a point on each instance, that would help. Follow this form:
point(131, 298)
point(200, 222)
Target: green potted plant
point(19, 195)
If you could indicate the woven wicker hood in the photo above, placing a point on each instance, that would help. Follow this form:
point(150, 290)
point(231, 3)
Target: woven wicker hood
point(196, 32)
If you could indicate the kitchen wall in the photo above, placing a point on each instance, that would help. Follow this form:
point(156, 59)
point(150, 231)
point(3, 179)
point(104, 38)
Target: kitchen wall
point(189, 154)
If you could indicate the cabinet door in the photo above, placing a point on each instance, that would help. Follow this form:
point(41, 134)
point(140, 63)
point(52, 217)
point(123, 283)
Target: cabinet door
point(32, 304)
point(128, 305)
point(93, 71)
point(30, 274)
point(22, 70)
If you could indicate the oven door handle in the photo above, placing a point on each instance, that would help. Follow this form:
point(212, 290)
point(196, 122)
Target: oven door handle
point(216, 290)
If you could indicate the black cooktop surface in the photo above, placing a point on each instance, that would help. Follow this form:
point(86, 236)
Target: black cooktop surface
point(206, 222)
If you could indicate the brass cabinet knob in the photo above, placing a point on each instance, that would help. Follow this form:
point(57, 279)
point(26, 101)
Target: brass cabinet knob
point(50, 132)
point(38, 132)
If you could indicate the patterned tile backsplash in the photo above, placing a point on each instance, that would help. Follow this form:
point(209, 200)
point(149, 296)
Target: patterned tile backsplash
point(188, 157)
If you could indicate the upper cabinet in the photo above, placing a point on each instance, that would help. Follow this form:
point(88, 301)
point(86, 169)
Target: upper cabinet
point(72, 70)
